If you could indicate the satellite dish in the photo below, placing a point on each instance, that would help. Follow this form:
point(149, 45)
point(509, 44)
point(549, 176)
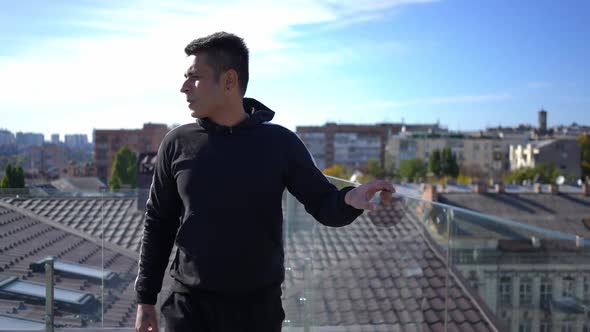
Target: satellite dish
point(560, 180)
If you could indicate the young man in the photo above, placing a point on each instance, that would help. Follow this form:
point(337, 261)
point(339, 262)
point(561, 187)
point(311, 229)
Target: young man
point(217, 193)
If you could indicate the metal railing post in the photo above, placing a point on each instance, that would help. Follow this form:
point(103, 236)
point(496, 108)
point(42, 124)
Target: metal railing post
point(49, 281)
point(307, 274)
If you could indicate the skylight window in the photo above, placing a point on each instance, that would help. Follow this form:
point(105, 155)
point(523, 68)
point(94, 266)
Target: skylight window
point(34, 291)
point(77, 270)
point(10, 322)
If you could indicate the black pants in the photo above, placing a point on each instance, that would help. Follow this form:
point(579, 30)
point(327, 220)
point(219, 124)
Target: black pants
point(202, 311)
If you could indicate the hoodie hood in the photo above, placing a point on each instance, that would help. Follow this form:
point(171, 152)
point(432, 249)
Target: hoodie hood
point(257, 112)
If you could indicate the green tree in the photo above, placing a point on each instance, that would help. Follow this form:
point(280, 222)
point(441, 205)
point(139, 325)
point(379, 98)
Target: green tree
point(124, 170)
point(584, 141)
point(434, 163)
point(449, 165)
point(545, 173)
point(373, 168)
point(14, 177)
point(412, 169)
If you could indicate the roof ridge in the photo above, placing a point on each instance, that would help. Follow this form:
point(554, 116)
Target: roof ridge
point(104, 244)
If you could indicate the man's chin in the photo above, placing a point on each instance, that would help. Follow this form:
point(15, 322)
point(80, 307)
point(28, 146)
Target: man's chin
point(195, 113)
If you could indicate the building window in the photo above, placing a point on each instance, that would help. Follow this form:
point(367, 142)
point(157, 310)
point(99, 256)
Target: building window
point(526, 294)
point(568, 287)
point(545, 326)
point(568, 326)
point(525, 325)
point(546, 291)
point(472, 279)
point(505, 290)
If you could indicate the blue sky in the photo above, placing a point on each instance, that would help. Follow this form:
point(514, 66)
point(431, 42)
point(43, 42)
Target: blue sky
point(69, 67)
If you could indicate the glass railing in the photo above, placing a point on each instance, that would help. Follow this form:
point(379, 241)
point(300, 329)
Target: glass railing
point(411, 265)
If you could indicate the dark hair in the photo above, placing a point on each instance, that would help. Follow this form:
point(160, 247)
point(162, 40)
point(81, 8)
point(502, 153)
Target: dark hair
point(224, 51)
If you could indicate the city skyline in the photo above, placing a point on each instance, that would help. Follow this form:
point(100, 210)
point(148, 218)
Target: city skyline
point(71, 68)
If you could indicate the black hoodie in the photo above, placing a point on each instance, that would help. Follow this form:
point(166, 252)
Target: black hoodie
point(217, 192)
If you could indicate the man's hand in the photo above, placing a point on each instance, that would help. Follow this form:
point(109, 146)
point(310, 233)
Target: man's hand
point(146, 320)
point(360, 197)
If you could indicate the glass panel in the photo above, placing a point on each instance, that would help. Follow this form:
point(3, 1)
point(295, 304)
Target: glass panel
point(529, 278)
point(298, 230)
point(410, 265)
point(34, 225)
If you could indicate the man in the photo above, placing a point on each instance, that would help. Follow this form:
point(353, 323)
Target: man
point(217, 193)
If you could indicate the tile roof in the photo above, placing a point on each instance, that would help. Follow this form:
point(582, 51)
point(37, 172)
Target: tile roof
point(369, 276)
point(26, 240)
point(377, 275)
point(121, 221)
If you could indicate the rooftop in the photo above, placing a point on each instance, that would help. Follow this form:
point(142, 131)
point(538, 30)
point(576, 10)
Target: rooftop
point(407, 266)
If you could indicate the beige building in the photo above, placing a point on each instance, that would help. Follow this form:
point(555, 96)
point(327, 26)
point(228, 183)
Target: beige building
point(108, 142)
point(477, 156)
point(351, 145)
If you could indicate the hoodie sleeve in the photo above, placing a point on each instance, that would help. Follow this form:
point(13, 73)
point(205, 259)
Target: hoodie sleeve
point(311, 187)
point(163, 210)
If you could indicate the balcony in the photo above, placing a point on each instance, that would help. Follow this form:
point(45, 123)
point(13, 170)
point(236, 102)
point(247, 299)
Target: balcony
point(412, 265)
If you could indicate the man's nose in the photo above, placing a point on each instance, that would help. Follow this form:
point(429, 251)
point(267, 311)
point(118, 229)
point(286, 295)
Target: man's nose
point(184, 88)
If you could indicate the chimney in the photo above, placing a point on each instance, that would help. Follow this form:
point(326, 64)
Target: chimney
point(429, 193)
point(480, 188)
point(499, 188)
point(553, 188)
point(537, 188)
point(586, 189)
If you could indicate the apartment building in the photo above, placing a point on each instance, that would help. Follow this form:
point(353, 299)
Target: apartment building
point(76, 140)
point(563, 153)
point(477, 156)
point(352, 145)
point(28, 139)
point(6, 137)
point(108, 141)
point(51, 159)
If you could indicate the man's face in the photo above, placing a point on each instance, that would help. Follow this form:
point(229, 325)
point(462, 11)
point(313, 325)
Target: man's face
point(204, 93)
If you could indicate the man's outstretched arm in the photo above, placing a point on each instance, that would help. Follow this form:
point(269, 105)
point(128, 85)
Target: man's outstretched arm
point(327, 204)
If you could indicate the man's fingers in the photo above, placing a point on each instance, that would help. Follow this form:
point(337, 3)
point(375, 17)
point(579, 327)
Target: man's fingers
point(366, 205)
point(380, 185)
point(150, 326)
point(386, 196)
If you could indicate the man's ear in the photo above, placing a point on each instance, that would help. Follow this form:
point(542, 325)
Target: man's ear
point(231, 80)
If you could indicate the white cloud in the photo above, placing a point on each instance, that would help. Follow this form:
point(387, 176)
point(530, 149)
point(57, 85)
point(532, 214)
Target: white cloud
point(138, 50)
